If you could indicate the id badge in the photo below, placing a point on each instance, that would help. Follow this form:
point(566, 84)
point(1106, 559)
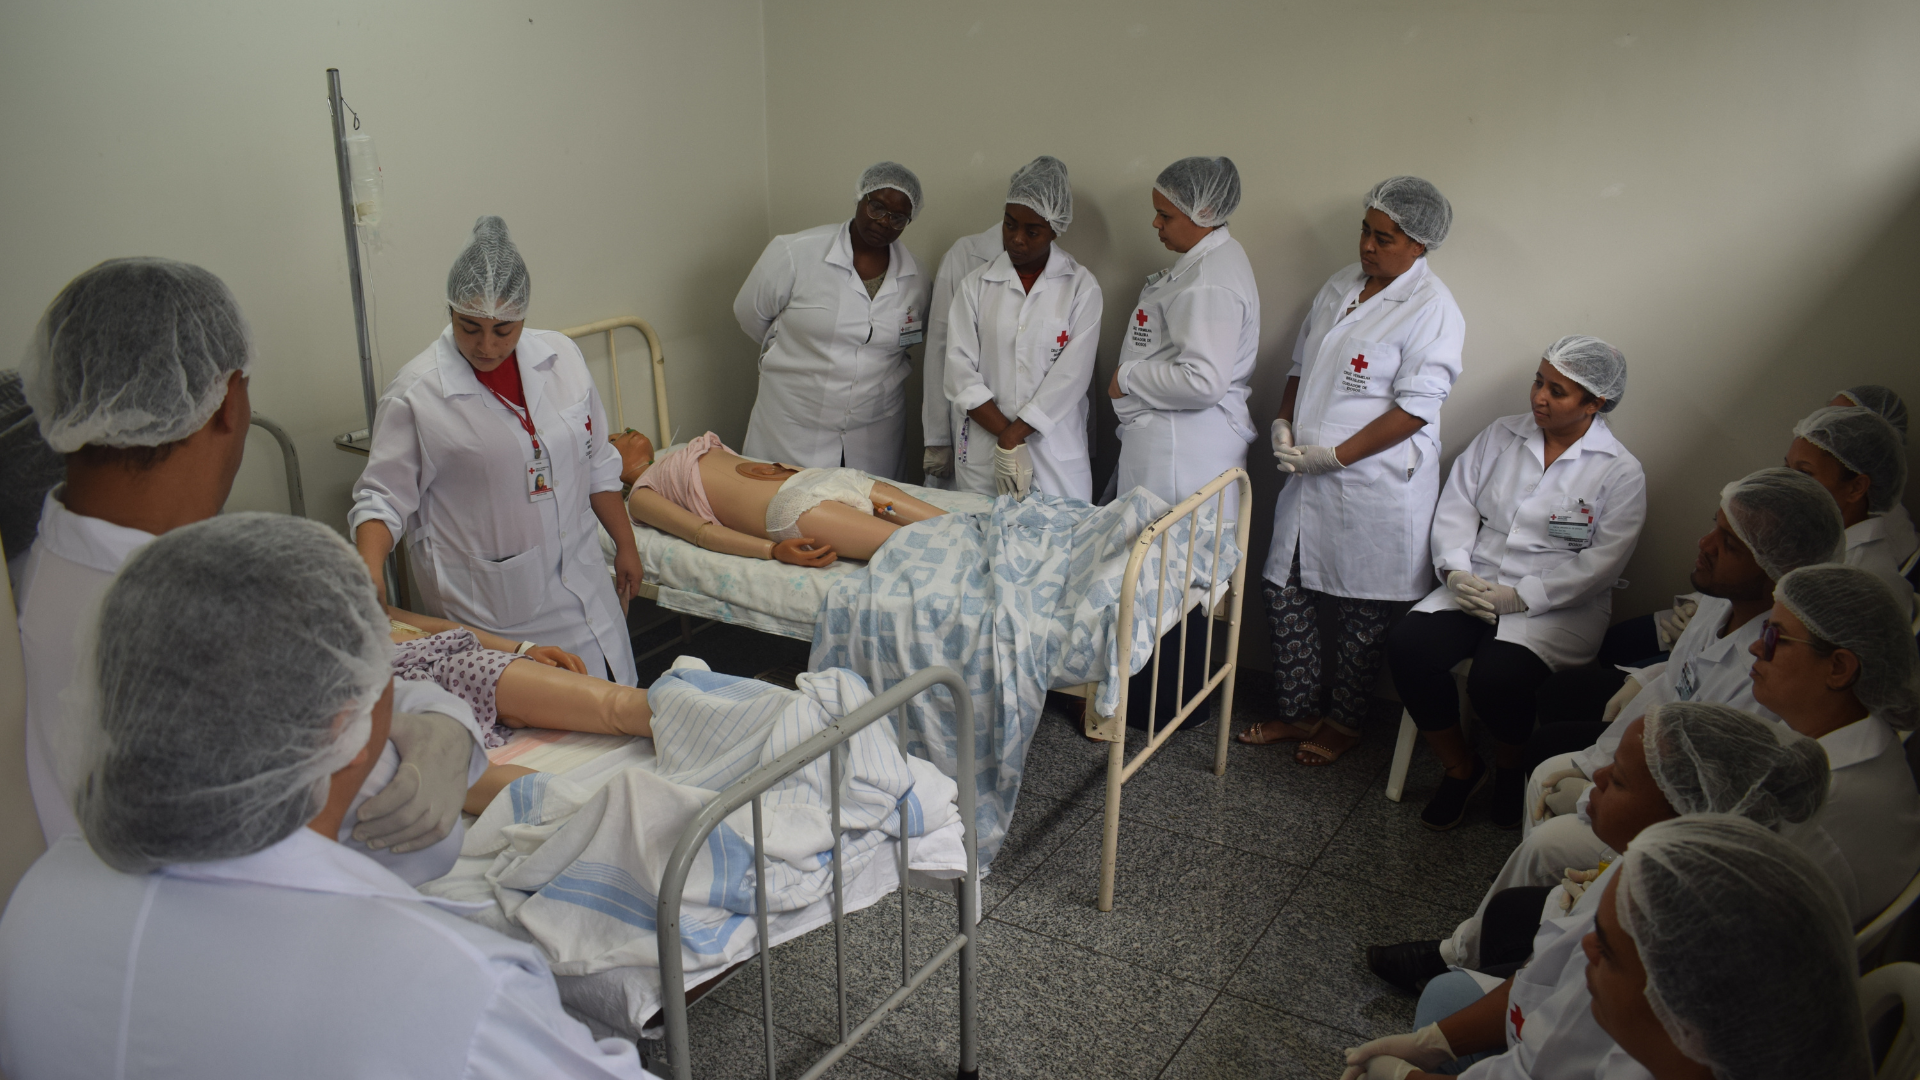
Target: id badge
point(1687, 684)
point(539, 479)
point(1573, 524)
point(911, 332)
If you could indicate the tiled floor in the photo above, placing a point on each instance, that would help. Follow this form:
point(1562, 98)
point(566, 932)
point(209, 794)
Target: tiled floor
point(1234, 948)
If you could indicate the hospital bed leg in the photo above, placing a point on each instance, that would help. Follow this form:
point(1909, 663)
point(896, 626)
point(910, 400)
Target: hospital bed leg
point(1110, 839)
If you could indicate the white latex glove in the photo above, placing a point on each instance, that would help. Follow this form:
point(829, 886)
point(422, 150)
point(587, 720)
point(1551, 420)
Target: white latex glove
point(1398, 1055)
point(1563, 797)
point(1548, 785)
point(937, 461)
point(1574, 884)
point(1619, 700)
point(1470, 594)
point(1013, 470)
point(1308, 460)
point(421, 804)
point(1282, 440)
point(1668, 624)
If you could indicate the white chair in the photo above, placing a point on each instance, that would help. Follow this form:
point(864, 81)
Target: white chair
point(1869, 937)
point(1409, 734)
point(21, 844)
point(1880, 990)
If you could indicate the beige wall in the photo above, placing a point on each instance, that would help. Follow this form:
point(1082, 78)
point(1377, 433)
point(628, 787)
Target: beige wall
point(1728, 192)
point(623, 142)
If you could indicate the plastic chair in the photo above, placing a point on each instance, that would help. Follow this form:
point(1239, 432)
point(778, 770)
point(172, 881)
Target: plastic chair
point(1410, 733)
point(1880, 990)
point(1868, 937)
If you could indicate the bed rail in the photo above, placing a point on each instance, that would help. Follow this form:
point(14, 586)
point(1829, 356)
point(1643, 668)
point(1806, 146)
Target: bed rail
point(1113, 729)
point(832, 744)
point(659, 365)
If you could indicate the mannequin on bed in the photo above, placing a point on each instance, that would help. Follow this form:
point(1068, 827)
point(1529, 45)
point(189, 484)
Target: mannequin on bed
point(708, 495)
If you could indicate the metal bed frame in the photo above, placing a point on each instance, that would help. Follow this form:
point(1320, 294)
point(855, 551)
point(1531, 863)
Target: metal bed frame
point(831, 743)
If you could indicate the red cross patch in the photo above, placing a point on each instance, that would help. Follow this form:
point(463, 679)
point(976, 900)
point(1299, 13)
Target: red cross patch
point(1140, 316)
point(1515, 1018)
point(1062, 339)
point(1360, 362)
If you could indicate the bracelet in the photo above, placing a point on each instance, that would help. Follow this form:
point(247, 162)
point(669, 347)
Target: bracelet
point(525, 648)
point(700, 533)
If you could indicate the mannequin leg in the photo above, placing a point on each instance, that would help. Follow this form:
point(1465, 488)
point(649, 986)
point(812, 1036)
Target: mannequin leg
point(531, 694)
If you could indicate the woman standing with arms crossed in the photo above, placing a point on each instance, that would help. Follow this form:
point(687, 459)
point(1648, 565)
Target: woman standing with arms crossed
point(1359, 434)
point(490, 453)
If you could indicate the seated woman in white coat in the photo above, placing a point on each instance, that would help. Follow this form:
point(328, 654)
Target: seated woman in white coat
point(1373, 362)
point(491, 457)
point(208, 911)
point(1861, 460)
point(1180, 389)
point(1021, 335)
point(833, 311)
point(1538, 519)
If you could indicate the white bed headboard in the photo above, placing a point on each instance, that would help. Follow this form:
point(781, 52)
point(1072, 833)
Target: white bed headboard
point(659, 365)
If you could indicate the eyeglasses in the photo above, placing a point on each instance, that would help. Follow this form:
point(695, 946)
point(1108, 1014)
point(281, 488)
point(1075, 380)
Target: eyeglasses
point(884, 216)
point(1771, 637)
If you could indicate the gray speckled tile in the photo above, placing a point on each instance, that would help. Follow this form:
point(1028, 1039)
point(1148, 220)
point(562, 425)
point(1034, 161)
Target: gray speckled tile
point(1312, 960)
point(729, 1045)
point(1040, 825)
point(1182, 906)
point(1383, 844)
point(1061, 762)
point(1238, 1039)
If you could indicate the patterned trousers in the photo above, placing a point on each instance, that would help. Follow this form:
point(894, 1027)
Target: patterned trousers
point(1300, 688)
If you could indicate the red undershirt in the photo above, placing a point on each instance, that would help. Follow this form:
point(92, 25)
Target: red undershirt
point(505, 381)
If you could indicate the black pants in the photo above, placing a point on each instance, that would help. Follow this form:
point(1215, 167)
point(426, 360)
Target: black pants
point(1634, 642)
point(1140, 687)
point(1507, 928)
point(1567, 737)
point(1578, 695)
point(1422, 651)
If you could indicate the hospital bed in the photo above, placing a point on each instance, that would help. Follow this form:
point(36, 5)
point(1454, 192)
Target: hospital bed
point(785, 600)
point(636, 1002)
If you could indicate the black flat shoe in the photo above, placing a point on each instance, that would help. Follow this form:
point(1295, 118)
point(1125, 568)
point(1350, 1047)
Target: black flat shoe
point(1449, 805)
point(1509, 791)
point(1407, 965)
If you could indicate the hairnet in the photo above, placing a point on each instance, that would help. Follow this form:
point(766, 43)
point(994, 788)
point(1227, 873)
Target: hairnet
point(28, 468)
point(1715, 759)
point(1206, 189)
point(134, 352)
point(489, 279)
point(236, 666)
point(1750, 961)
point(1852, 609)
point(1864, 442)
point(1416, 206)
point(892, 174)
point(1593, 364)
point(1880, 400)
point(1041, 186)
point(1785, 518)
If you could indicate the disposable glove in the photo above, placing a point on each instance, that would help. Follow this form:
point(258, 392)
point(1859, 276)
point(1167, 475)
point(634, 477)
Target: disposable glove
point(1470, 595)
point(1543, 804)
point(1282, 440)
point(937, 461)
point(419, 807)
point(1564, 797)
point(1667, 625)
point(1013, 470)
point(1398, 1055)
point(1575, 884)
point(1628, 690)
point(1308, 460)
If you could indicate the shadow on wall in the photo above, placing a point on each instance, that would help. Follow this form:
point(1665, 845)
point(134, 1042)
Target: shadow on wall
point(1860, 332)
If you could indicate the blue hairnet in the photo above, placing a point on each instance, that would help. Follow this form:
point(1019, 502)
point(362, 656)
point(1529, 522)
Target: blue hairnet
point(1205, 189)
point(1041, 186)
point(489, 279)
point(1593, 364)
point(1865, 443)
point(1416, 206)
point(892, 174)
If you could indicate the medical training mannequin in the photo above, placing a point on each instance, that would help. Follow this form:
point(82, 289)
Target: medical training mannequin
point(491, 457)
point(833, 311)
point(1373, 362)
point(1861, 460)
point(208, 908)
point(1021, 336)
point(138, 373)
point(710, 496)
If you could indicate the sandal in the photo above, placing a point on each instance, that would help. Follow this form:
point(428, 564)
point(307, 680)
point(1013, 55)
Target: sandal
point(1258, 734)
point(1315, 755)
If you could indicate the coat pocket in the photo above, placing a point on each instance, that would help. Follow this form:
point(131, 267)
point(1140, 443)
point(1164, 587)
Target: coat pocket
point(496, 595)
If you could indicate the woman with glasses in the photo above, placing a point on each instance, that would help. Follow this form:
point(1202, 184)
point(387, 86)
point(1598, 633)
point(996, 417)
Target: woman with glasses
point(1836, 660)
point(834, 310)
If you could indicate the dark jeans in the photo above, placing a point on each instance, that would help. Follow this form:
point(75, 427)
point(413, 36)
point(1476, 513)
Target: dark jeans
point(1423, 650)
point(1633, 642)
point(1509, 925)
point(1568, 737)
point(1578, 694)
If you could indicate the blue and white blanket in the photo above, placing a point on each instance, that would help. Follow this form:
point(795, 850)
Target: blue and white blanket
point(1019, 601)
point(578, 870)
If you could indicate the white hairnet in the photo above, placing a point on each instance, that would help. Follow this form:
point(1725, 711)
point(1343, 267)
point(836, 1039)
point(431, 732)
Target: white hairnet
point(1749, 957)
point(1852, 609)
point(892, 174)
point(237, 663)
point(1206, 189)
point(1785, 518)
point(1881, 400)
point(1416, 206)
point(134, 352)
point(1593, 364)
point(1864, 442)
point(489, 279)
point(1041, 186)
point(1715, 759)
point(28, 469)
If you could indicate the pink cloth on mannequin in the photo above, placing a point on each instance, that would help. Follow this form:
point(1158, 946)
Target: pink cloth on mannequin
point(677, 476)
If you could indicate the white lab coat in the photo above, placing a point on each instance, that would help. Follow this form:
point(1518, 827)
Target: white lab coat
point(1881, 545)
point(965, 256)
point(302, 960)
point(448, 472)
point(832, 361)
point(1186, 362)
point(1492, 521)
point(1867, 836)
point(1032, 354)
point(1361, 531)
